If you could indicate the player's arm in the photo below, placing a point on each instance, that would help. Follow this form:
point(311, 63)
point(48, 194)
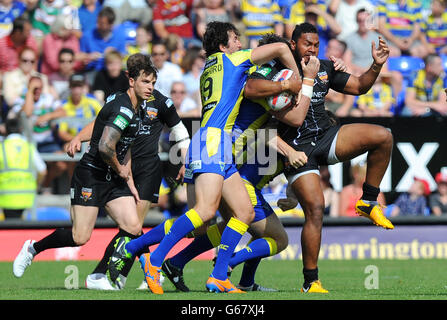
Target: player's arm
point(295, 116)
point(107, 149)
point(358, 85)
point(279, 50)
point(83, 136)
point(181, 137)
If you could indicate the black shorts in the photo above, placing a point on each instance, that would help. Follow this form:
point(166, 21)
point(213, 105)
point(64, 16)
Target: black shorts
point(147, 174)
point(318, 153)
point(95, 187)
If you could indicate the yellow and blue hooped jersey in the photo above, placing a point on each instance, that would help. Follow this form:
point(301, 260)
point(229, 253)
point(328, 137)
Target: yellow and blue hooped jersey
point(435, 33)
point(221, 88)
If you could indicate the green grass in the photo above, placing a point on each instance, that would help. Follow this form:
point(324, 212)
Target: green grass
point(398, 280)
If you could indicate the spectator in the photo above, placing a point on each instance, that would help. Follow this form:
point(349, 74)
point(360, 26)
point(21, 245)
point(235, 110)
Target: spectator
point(45, 13)
point(88, 14)
point(110, 79)
point(9, 11)
point(60, 37)
point(192, 65)
point(96, 42)
point(331, 197)
point(176, 48)
point(314, 12)
point(15, 82)
point(345, 12)
point(168, 72)
point(173, 16)
point(425, 95)
point(21, 171)
point(358, 53)
point(434, 28)
point(186, 106)
point(35, 104)
point(337, 102)
point(59, 80)
point(16, 41)
point(80, 108)
point(414, 201)
point(378, 100)
point(214, 10)
point(260, 18)
point(130, 10)
point(400, 23)
point(143, 41)
point(438, 200)
point(352, 192)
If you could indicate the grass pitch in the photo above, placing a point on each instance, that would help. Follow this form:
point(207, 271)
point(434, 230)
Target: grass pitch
point(345, 280)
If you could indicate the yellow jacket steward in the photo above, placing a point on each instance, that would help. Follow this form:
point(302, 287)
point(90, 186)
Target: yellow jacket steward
point(17, 178)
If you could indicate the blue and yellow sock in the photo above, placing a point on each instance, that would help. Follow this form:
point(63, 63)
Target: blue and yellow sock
point(180, 228)
point(230, 238)
point(259, 248)
point(153, 236)
point(248, 272)
point(205, 242)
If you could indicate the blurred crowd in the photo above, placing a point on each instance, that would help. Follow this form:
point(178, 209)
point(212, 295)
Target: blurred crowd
point(61, 59)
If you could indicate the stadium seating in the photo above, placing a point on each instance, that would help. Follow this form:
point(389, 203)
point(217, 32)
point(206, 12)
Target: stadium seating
point(48, 214)
point(444, 62)
point(405, 64)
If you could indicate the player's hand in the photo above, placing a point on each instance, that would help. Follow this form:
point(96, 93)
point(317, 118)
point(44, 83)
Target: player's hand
point(124, 173)
point(297, 158)
point(294, 84)
point(310, 69)
point(181, 173)
point(339, 64)
point(73, 146)
point(287, 204)
point(380, 54)
point(133, 189)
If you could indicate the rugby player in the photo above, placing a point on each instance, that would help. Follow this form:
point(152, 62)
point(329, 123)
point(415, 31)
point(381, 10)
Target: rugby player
point(103, 177)
point(209, 157)
point(325, 142)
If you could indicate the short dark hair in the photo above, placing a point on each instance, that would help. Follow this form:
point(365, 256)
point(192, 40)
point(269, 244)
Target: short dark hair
point(305, 27)
point(65, 50)
point(108, 13)
point(430, 58)
point(138, 62)
point(13, 125)
point(216, 34)
point(273, 38)
point(19, 24)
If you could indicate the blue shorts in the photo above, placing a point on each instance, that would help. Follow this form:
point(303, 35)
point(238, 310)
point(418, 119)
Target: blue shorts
point(210, 151)
point(260, 205)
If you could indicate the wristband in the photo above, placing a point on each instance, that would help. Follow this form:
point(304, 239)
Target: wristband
point(307, 91)
point(308, 81)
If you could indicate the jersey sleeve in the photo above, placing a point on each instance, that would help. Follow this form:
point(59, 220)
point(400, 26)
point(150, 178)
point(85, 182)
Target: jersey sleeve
point(337, 79)
point(241, 57)
point(169, 114)
point(119, 117)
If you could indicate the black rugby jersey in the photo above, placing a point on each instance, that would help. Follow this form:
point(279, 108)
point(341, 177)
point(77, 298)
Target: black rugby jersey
point(118, 113)
point(157, 111)
point(317, 120)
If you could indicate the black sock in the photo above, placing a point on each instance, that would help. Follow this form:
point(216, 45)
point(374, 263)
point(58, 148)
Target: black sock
point(310, 275)
point(58, 239)
point(370, 193)
point(128, 266)
point(102, 265)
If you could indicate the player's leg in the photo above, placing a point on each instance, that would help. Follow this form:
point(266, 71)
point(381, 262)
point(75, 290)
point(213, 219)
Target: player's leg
point(236, 197)
point(377, 141)
point(207, 203)
point(307, 189)
point(83, 219)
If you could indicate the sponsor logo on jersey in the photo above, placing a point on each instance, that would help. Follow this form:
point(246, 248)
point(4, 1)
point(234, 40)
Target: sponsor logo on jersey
point(194, 165)
point(323, 76)
point(86, 194)
point(169, 103)
point(110, 98)
point(121, 122)
point(152, 113)
point(127, 112)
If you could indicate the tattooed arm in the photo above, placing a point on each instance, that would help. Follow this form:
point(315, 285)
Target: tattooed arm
point(107, 149)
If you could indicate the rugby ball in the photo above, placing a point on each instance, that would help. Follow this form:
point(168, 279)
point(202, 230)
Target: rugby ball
point(284, 99)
